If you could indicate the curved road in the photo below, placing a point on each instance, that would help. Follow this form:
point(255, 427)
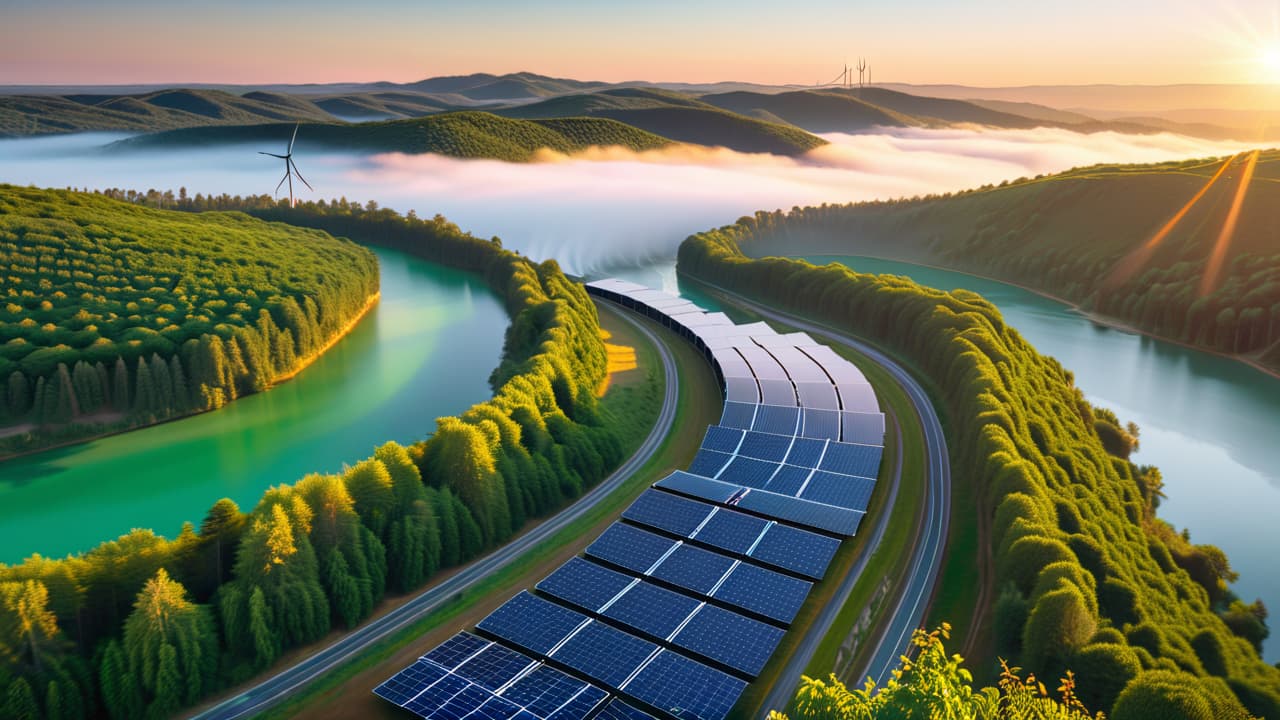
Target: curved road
point(289, 681)
point(926, 559)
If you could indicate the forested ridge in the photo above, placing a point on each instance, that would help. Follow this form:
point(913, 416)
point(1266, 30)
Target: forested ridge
point(1133, 242)
point(1088, 577)
point(116, 316)
point(142, 625)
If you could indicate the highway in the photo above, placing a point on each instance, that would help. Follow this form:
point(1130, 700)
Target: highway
point(926, 560)
point(291, 680)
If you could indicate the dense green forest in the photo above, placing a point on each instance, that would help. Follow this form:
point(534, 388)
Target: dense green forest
point(117, 315)
point(142, 625)
point(468, 134)
point(1087, 577)
point(1135, 243)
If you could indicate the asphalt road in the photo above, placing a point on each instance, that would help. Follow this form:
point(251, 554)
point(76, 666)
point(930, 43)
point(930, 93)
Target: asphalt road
point(289, 681)
point(926, 560)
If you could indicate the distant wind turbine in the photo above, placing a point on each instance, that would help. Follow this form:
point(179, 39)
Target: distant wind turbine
point(290, 168)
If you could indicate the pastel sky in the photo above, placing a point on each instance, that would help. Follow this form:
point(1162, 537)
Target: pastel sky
point(973, 42)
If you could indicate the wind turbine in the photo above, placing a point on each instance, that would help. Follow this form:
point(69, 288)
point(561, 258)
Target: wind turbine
point(290, 169)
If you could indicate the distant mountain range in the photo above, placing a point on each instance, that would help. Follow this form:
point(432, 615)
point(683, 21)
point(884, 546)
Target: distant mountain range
point(740, 116)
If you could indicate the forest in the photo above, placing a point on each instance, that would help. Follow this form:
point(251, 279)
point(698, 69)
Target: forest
point(1152, 246)
point(1087, 577)
point(117, 316)
point(142, 626)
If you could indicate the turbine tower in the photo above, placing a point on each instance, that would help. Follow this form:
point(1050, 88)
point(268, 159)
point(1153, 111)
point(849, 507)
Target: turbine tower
point(862, 69)
point(290, 169)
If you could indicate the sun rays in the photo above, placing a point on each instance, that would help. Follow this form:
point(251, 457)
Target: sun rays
point(1209, 281)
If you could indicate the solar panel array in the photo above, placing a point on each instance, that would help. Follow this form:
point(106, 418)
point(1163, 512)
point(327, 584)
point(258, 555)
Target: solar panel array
point(681, 603)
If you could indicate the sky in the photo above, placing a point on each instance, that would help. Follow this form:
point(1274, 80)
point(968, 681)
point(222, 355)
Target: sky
point(979, 42)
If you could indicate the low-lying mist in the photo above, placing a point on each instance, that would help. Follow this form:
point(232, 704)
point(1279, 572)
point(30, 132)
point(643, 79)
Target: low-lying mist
point(606, 207)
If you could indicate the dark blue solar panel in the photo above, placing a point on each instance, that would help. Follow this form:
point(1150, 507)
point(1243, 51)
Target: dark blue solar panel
point(777, 419)
point(604, 653)
point(545, 689)
point(729, 638)
point(738, 415)
point(764, 592)
point(409, 682)
point(829, 518)
point(693, 568)
point(495, 709)
point(581, 705)
point(618, 710)
point(463, 703)
point(731, 531)
point(842, 490)
point(651, 609)
point(764, 446)
point(494, 667)
point(748, 472)
point(709, 463)
point(722, 439)
point(438, 694)
point(531, 622)
point(797, 550)
point(629, 547)
point(846, 459)
point(685, 688)
point(788, 480)
point(453, 651)
point(805, 452)
point(584, 583)
point(667, 512)
point(822, 424)
point(696, 486)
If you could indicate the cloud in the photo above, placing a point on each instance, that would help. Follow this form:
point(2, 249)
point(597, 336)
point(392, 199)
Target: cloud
point(609, 206)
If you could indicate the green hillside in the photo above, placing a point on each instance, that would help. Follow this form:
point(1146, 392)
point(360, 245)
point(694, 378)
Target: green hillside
point(22, 115)
point(114, 313)
point(466, 134)
point(813, 110)
point(1078, 236)
point(1080, 572)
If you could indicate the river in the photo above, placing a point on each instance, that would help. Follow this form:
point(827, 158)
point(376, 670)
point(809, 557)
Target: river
point(424, 351)
point(1208, 422)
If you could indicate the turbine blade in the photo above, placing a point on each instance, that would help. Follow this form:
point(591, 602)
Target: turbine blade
point(286, 177)
point(295, 137)
point(282, 157)
point(299, 174)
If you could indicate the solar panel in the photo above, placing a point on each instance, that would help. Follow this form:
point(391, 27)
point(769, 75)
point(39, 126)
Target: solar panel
point(453, 651)
point(618, 710)
point(685, 688)
point(744, 390)
point(729, 638)
point(667, 512)
point(532, 623)
point(493, 667)
point(777, 392)
point(605, 654)
point(440, 692)
point(864, 428)
point(731, 531)
point(410, 682)
point(722, 439)
point(805, 452)
point(821, 424)
point(764, 592)
point(748, 472)
point(651, 609)
point(828, 518)
point(777, 420)
point(738, 415)
point(545, 690)
point(764, 446)
point(584, 583)
point(709, 463)
point(629, 547)
point(788, 480)
point(693, 568)
point(846, 459)
point(796, 550)
point(842, 490)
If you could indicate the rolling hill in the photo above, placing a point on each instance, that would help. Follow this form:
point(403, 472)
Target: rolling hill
point(813, 110)
point(466, 134)
point(1081, 236)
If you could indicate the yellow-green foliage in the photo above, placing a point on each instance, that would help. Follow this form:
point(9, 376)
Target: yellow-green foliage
point(1074, 535)
point(1068, 234)
point(112, 306)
